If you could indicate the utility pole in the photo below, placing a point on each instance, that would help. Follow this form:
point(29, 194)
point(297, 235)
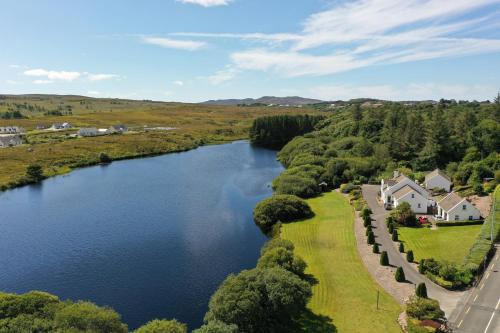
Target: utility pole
point(378, 294)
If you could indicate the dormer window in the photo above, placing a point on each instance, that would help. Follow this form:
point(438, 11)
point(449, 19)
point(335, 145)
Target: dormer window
point(464, 207)
point(413, 195)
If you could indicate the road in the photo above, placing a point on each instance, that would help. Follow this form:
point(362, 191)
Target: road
point(480, 313)
point(447, 299)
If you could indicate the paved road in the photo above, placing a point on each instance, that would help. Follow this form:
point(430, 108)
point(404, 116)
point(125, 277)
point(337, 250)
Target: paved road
point(447, 299)
point(480, 313)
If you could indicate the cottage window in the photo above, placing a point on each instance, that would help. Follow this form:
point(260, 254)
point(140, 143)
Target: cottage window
point(413, 195)
point(457, 217)
point(464, 207)
point(471, 218)
point(419, 206)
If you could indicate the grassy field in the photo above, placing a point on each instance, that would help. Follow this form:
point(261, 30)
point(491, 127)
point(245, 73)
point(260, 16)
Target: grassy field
point(444, 244)
point(58, 153)
point(345, 291)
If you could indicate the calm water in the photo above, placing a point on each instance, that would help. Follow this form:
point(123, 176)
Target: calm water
point(153, 238)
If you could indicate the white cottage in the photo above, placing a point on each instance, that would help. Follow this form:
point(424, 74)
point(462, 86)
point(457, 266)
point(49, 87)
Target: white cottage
point(10, 141)
point(455, 208)
point(437, 179)
point(390, 186)
point(416, 200)
point(92, 131)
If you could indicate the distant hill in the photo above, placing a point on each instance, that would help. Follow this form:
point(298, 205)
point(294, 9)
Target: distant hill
point(291, 100)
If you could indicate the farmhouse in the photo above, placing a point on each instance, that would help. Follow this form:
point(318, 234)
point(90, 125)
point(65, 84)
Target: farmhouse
point(12, 130)
point(389, 187)
point(455, 208)
point(92, 131)
point(58, 126)
point(117, 129)
point(10, 141)
point(416, 200)
point(437, 179)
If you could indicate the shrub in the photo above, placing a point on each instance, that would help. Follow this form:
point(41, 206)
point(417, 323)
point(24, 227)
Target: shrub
point(281, 257)
point(34, 173)
point(298, 185)
point(384, 259)
point(395, 235)
point(388, 221)
point(217, 327)
point(162, 326)
point(391, 228)
point(400, 275)
point(367, 221)
point(401, 248)
point(371, 238)
point(375, 248)
point(421, 290)
point(282, 208)
point(403, 215)
point(423, 308)
point(277, 243)
point(409, 257)
point(347, 188)
point(366, 212)
point(368, 229)
point(104, 158)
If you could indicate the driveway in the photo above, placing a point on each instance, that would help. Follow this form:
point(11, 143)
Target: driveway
point(447, 299)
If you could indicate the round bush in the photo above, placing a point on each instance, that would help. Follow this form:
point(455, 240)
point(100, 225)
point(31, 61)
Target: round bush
point(368, 230)
point(282, 208)
point(367, 221)
point(395, 235)
point(375, 248)
point(400, 275)
point(401, 247)
point(384, 259)
point(371, 238)
point(421, 290)
point(409, 258)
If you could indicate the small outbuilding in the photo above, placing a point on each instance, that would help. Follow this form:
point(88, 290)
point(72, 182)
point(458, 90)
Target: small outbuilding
point(437, 179)
point(455, 208)
point(86, 132)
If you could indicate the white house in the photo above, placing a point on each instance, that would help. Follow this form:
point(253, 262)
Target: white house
point(12, 130)
point(92, 131)
point(437, 179)
point(10, 141)
point(416, 200)
point(62, 126)
point(389, 186)
point(118, 129)
point(455, 208)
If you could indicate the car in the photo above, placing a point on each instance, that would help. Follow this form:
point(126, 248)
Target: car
point(423, 220)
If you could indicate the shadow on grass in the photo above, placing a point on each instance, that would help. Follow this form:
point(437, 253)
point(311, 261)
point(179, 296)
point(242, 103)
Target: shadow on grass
point(309, 322)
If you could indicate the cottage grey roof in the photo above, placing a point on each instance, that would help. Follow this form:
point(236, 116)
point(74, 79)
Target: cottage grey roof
point(450, 201)
point(404, 191)
point(394, 181)
point(435, 173)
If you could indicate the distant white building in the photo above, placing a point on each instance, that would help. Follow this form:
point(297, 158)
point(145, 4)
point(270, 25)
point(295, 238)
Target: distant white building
point(416, 200)
point(412, 193)
point(85, 132)
point(10, 140)
point(437, 179)
point(118, 129)
point(59, 126)
point(12, 130)
point(455, 208)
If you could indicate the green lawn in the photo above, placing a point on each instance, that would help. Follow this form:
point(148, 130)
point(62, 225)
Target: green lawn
point(345, 291)
point(446, 243)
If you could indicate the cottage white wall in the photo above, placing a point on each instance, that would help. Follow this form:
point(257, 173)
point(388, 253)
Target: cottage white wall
point(463, 215)
point(438, 182)
point(391, 190)
point(414, 202)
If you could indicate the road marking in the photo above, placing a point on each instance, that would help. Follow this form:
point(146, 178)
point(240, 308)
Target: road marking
point(460, 323)
point(466, 312)
point(492, 266)
point(488, 275)
point(496, 257)
point(475, 298)
point(481, 288)
point(492, 315)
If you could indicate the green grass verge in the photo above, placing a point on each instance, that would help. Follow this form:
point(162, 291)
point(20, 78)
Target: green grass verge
point(444, 244)
point(345, 291)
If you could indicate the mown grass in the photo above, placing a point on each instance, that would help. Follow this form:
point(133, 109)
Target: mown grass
point(345, 291)
point(444, 244)
point(58, 153)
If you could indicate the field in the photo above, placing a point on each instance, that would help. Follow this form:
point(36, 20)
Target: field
point(444, 244)
point(345, 291)
point(58, 153)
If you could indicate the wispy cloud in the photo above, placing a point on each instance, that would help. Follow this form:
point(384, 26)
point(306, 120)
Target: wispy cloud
point(43, 81)
point(224, 75)
point(206, 3)
point(93, 92)
point(102, 77)
point(178, 83)
point(53, 75)
point(357, 34)
point(188, 45)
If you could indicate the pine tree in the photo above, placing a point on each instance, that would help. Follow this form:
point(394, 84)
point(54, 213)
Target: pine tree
point(421, 290)
point(401, 247)
point(384, 259)
point(391, 228)
point(409, 256)
point(395, 235)
point(368, 230)
point(400, 275)
point(371, 238)
point(375, 248)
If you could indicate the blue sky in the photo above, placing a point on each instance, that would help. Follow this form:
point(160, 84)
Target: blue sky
point(194, 50)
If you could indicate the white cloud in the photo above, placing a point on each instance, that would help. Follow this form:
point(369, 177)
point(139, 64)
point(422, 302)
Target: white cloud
point(188, 45)
point(101, 77)
point(224, 75)
point(13, 82)
point(168, 93)
point(53, 75)
point(206, 3)
point(14, 66)
point(43, 81)
point(412, 91)
point(178, 83)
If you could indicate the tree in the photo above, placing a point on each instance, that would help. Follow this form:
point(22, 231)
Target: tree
point(162, 326)
point(277, 243)
point(280, 208)
point(384, 259)
point(259, 300)
point(217, 327)
point(366, 212)
point(388, 221)
point(368, 229)
point(400, 275)
point(104, 158)
point(281, 257)
point(423, 308)
point(409, 256)
point(391, 228)
point(421, 290)
point(34, 173)
point(395, 237)
point(403, 215)
point(367, 221)
point(357, 114)
point(401, 247)
point(371, 238)
point(375, 248)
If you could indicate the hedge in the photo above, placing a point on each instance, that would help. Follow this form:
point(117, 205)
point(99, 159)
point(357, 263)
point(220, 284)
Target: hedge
point(459, 223)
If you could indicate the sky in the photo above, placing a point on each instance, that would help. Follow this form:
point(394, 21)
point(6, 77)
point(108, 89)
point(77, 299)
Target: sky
point(196, 50)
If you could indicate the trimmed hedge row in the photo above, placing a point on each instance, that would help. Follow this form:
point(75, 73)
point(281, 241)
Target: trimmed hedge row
point(459, 223)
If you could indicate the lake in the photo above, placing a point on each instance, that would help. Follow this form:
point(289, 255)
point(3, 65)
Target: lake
point(152, 238)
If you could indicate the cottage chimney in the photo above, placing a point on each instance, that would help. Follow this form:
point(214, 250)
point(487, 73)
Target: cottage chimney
point(396, 173)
